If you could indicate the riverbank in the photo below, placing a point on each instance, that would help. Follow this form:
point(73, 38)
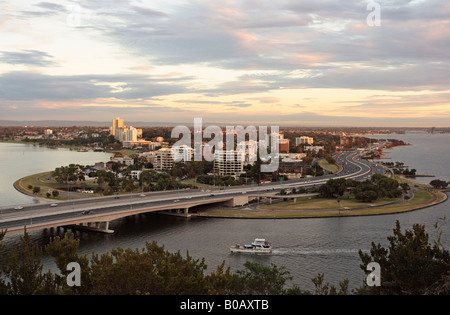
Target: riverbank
point(306, 207)
point(47, 184)
point(422, 198)
point(78, 148)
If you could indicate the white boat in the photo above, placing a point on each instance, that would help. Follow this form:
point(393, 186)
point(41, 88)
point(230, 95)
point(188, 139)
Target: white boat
point(259, 246)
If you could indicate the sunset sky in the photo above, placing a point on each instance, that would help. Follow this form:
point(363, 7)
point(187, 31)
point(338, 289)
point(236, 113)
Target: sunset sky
point(285, 62)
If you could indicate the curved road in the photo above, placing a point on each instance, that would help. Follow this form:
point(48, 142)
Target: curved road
point(41, 214)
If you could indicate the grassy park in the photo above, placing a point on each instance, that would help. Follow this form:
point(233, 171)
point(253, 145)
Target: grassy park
point(333, 168)
point(47, 184)
point(301, 207)
point(324, 207)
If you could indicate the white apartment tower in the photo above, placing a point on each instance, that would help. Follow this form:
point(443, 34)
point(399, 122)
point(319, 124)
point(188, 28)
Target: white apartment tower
point(163, 159)
point(229, 162)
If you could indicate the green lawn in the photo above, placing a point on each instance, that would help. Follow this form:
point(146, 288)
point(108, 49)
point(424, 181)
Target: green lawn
point(328, 207)
point(316, 203)
point(193, 182)
point(329, 167)
point(47, 184)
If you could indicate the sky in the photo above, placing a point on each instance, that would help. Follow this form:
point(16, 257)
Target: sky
point(374, 63)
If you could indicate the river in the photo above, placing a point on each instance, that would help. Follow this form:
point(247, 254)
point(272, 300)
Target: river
point(305, 247)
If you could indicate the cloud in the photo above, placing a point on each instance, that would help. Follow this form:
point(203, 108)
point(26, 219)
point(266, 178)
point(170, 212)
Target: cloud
point(327, 37)
point(84, 87)
point(266, 99)
point(223, 56)
point(45, 10)
point(27, 57)
point(214, 102)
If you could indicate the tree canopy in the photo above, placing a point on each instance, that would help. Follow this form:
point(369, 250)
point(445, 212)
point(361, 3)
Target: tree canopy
point(378, 186)
point(410, 265)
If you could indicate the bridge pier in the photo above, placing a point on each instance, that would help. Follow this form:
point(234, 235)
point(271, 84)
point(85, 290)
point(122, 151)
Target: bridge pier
point(96, 227)
point(181, 212)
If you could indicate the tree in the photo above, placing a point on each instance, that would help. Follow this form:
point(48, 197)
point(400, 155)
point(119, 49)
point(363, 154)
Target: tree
point(108, 191)
point(387, 187)
point(219, 280)
point(439, 184)
point(36, 190)
point(410, 265)
point(333, 188)
point(64, 251)
point(3, 285)
point(165, 182)
point(258, 279)
point(405, 186)
point(23, 269)
point(327, 289)
point(366, 195)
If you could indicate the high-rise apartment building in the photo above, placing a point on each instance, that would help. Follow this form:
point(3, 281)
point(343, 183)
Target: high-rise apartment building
point(229, 162)
point(163, 159)
point(117, 123)
point(128, 136)
point(131, 134)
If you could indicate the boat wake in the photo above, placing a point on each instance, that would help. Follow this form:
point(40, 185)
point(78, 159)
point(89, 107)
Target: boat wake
point(314, 252)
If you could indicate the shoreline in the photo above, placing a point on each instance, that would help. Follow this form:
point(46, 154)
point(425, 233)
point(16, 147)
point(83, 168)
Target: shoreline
point(434, 196)
point(68, 147)
point(325, 213)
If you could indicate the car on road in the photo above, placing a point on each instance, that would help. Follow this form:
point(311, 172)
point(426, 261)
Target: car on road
point(116, 197)
point(18, 208)
point(85, 212)
point(54, 205)
point(177, 200)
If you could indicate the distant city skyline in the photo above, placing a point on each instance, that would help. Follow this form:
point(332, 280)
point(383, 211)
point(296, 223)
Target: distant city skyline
point(291, 63)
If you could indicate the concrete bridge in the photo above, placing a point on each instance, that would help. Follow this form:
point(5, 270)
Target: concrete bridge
point(98, 218)
point(288, 196)
point(96, 213)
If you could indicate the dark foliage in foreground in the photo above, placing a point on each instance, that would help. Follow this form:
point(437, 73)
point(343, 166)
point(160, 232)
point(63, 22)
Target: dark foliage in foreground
point(410, 265)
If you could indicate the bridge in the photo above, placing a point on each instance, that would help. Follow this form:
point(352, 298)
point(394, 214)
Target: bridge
point(96, 217)
point(96, 213)
point(272, 196)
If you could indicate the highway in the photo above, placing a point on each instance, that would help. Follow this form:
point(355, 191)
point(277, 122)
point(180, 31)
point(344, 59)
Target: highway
point(44, 213)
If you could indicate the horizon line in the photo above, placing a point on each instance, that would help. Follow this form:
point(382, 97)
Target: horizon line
point(79, 123)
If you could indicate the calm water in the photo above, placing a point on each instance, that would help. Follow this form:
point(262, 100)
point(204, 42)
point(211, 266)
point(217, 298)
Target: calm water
point(20, 160)
point(305, 247)
point(428, 153)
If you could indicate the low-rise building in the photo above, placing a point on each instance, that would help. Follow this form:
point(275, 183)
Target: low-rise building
point(135, 175)
point(284, 145)
point(304, 140)
point(123, 160)
point(315, 148)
